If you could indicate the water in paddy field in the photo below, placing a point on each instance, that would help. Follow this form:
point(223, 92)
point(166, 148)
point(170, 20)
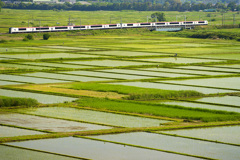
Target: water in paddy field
point(228, 83)
point(13, 153)
point(25, 79)
point(227, 134)
point(174, 87)
point(99, 150)
point(179, 60)
point(47, 56)
point(177, 144)
point(96, 116)
point(107, 75)
point(12, 132)
point(225, 100)
point(47, 124)
point(201, 105)
point(41, 98)
point(109, 63)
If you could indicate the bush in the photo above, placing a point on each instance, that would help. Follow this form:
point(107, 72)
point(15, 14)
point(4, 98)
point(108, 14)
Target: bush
point(29, 37)
point(25, 39)
point(9, 101)
point(46, 36)
point(3, 41)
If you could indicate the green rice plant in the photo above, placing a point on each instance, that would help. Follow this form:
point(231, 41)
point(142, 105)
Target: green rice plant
point(10, 101)
point(158, 110)
point(135, 93)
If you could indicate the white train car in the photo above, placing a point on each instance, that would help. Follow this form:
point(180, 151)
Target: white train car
point(106, 26)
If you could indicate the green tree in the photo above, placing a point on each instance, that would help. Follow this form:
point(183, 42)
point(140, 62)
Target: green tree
point(46, 36)
point(159, 15)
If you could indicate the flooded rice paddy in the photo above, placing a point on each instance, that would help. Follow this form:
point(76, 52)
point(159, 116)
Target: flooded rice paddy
point(126, 53)
point(12, 132)
point(22, 66)
point(8, 83)
point(95, 116)
point(227, 83)
point(194, 72)
point(47, 124)
point(146, 73)
point(106, 75)
point(25, 79)
point(41, 98)
point(65, 76)
point(93, 149)
point(201, 105)
point(108, 63)
point(225, 100)
point(176, 144)
point(46, 56)
point(211, 68)
point(55, 65)
point(13, 153)
point(178, 60)
point(227, 134)
point(174, 87)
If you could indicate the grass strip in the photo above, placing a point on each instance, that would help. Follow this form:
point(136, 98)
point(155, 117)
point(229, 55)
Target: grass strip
point(172, 111)
point(137, 146)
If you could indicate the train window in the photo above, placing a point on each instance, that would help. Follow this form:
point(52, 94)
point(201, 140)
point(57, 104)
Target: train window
point(61, 27)
point(188, 22)
point(22, 29)
point(79, 27)
point(112, 25)
point(144, 24)
point(96, 26)
point(201, 22)
point(174, 22)
point(42, 28)
point(160, 23)
point(129, 24)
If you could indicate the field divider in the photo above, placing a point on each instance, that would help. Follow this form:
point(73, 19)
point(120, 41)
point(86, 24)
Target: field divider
point(194, 138)
point(41, 151)
point(143, 147)
point(15, 81)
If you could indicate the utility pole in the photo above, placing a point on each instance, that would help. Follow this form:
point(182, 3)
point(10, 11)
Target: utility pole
point(147, 19)
point(121, 22)
point(176, 18)
point(80, 23)
point(28, 22)
point(69, 21)
point(185, 21)
point(110, 20)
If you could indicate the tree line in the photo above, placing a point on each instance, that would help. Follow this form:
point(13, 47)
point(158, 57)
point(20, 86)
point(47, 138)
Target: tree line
point(169, 5)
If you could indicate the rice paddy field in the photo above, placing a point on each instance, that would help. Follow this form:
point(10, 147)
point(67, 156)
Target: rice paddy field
point(119, 94)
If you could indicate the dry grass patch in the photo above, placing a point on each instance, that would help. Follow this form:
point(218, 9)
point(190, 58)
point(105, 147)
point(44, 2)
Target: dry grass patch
point(54, 88)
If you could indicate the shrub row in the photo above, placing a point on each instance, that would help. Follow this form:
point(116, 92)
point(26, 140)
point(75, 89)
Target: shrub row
point(9, 101)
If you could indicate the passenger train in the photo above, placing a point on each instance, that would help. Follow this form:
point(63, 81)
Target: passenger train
point(106, 26)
